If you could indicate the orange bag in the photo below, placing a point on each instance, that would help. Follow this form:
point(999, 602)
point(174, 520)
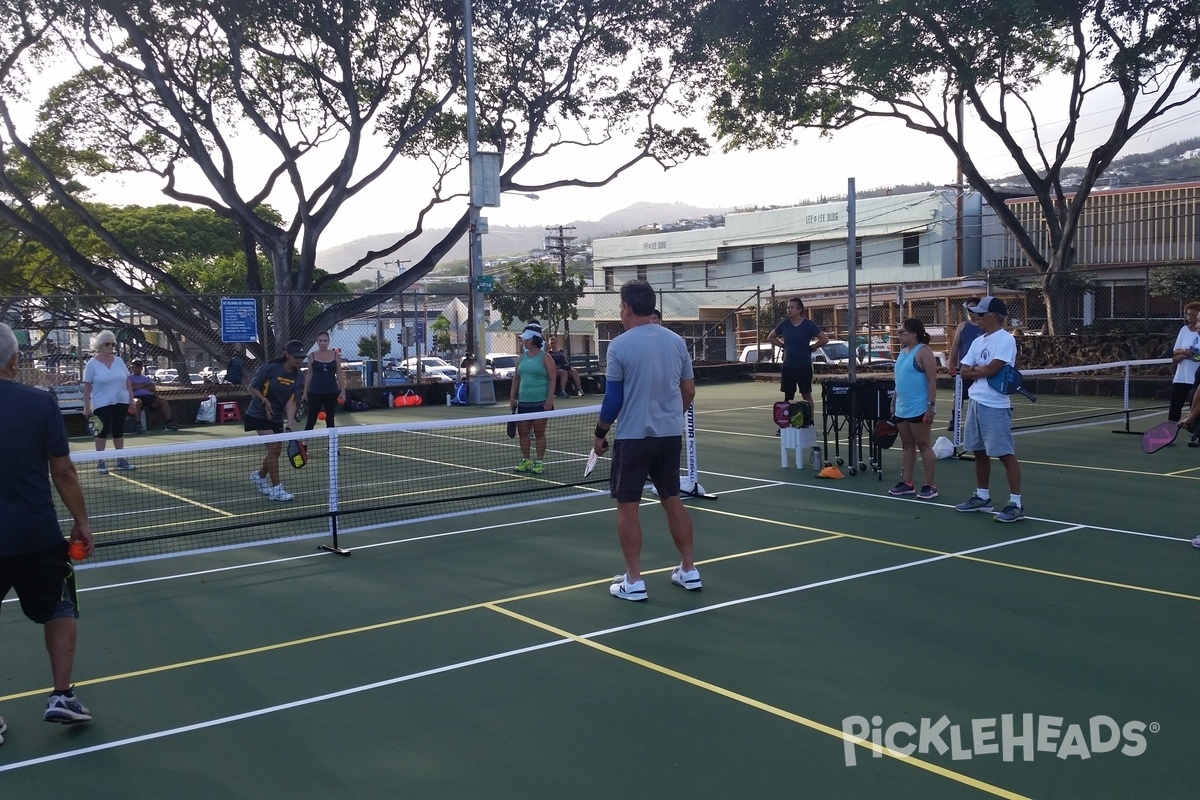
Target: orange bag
point(409, 398)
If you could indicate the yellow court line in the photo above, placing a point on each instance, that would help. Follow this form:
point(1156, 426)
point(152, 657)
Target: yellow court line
point(761, 706)
point(1109, 469)
point(931, 551)
point(213, 659)
point(1180, 473)
point(174, 496)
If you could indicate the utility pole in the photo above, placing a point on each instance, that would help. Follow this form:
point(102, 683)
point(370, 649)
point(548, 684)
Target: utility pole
point(398, 263)
point(958, 181)
point(559, 247)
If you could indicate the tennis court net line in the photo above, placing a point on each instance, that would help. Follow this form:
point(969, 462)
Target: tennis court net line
point(202, 497)
point(1118, 390)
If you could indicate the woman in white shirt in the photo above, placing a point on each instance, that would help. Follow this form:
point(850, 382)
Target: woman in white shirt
point(107, 393)
point(1183, 355)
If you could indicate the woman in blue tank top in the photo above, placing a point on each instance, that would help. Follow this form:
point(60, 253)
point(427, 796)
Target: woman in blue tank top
point(913, 408)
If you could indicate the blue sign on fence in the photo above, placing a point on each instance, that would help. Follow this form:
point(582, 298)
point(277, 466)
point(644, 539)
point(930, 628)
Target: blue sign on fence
point(239, 319)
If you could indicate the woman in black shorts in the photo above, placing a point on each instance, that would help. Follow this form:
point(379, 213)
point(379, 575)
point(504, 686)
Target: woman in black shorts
point(272, 410)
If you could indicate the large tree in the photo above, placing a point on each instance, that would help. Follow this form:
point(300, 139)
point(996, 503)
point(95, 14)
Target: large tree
point(774, 66)
point(229, 103)
point(539, 291)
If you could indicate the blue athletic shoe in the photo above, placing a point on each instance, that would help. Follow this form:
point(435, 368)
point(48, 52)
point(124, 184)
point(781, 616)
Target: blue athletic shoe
point(66, 709)
point(974, 503)
point(1011, 513)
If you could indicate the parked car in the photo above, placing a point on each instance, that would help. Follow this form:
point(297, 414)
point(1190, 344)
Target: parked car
point(196, 380)
point(502, 365)
point(166, 376)
point(759, 353)
point(430, 367)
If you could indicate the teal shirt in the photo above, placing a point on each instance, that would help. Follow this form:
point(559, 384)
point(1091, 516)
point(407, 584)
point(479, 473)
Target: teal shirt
point(535, 381)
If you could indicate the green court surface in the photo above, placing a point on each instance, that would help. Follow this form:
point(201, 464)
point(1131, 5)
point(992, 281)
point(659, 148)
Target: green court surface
point(846, 644)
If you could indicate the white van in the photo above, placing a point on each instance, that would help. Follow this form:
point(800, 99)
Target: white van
point(761, 352)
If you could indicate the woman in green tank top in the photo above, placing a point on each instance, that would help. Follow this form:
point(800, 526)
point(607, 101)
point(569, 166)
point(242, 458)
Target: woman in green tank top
point(532, 390)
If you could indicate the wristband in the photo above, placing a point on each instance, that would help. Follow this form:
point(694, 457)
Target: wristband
point(601, 432)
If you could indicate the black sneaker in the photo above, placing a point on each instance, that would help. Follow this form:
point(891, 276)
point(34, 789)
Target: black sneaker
point(901, 488)
point(171, 426)
point(1194, 441)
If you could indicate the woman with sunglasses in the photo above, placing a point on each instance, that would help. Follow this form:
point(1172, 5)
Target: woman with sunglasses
point(107, 393)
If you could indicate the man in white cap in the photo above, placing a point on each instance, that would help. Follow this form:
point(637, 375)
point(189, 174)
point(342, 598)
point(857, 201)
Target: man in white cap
point(988, 430)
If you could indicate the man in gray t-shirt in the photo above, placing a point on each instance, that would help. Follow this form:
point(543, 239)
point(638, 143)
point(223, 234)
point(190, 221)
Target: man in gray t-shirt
point(648, 387)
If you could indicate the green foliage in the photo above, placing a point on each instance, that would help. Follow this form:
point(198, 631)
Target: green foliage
point(1180, 282)
point(368, 347)
point(538, 290)
point(441, 334)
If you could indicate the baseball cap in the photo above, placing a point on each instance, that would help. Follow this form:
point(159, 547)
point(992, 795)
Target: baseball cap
point(295, 348)
point(137, 362)
point(990, 305)
point(531, 330)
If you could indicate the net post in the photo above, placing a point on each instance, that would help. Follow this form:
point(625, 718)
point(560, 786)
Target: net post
point(1125, 407)
point(333, 547)
point(959, 423)
point(690, 486)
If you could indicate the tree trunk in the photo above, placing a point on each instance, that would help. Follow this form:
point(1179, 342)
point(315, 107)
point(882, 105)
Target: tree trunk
point(1056, 290)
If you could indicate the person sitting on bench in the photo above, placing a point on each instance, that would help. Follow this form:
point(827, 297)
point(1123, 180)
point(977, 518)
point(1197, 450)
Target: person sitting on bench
point(145, 395)
point(565, 371)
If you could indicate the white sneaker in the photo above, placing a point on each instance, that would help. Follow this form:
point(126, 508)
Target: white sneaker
point(262, 483)
point(1196, 542)
point(279, 493)
point(625, 590)
point(689, 580)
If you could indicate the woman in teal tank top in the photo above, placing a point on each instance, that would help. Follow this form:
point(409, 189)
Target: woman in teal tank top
point(913, 408)
point(532, 390)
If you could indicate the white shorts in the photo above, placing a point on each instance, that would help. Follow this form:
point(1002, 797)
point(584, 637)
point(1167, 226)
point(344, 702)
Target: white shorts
point(989, 429)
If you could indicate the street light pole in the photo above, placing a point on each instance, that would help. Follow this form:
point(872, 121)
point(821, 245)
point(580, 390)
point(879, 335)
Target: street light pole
point(481, 390)
point(378, 333)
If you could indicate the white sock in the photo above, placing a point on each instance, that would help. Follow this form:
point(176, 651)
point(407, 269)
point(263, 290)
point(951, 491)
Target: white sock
point(984, 494)
point(1015, 499)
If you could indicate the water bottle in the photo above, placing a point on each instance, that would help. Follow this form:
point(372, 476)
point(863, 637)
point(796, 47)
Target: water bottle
point(448, 398)
point(387, 399)
point(816, 459)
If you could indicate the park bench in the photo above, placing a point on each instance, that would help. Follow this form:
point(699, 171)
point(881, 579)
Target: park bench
point(589, 369)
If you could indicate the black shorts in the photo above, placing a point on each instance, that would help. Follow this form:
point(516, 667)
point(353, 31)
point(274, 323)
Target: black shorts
point(45, 583)
point(636, 460)
point(150, 402)
point(531, 408)
point(793, 378)
point(262, 424)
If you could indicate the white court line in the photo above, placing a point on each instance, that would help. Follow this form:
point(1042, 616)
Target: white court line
point(768, 483)
point(503, 655)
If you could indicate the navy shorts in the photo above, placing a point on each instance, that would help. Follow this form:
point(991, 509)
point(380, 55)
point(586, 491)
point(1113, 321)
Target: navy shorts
point(45, 583)
point(262, 424)
point(792, 378)
point(635, 460)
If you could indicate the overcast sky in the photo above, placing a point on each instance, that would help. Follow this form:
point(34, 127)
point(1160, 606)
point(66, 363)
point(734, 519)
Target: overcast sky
point(876, 153)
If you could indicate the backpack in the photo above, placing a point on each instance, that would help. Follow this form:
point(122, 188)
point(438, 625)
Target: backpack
point(460, 395)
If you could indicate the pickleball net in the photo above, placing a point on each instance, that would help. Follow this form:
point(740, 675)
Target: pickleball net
point(1119, 391)
point(198, 497)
